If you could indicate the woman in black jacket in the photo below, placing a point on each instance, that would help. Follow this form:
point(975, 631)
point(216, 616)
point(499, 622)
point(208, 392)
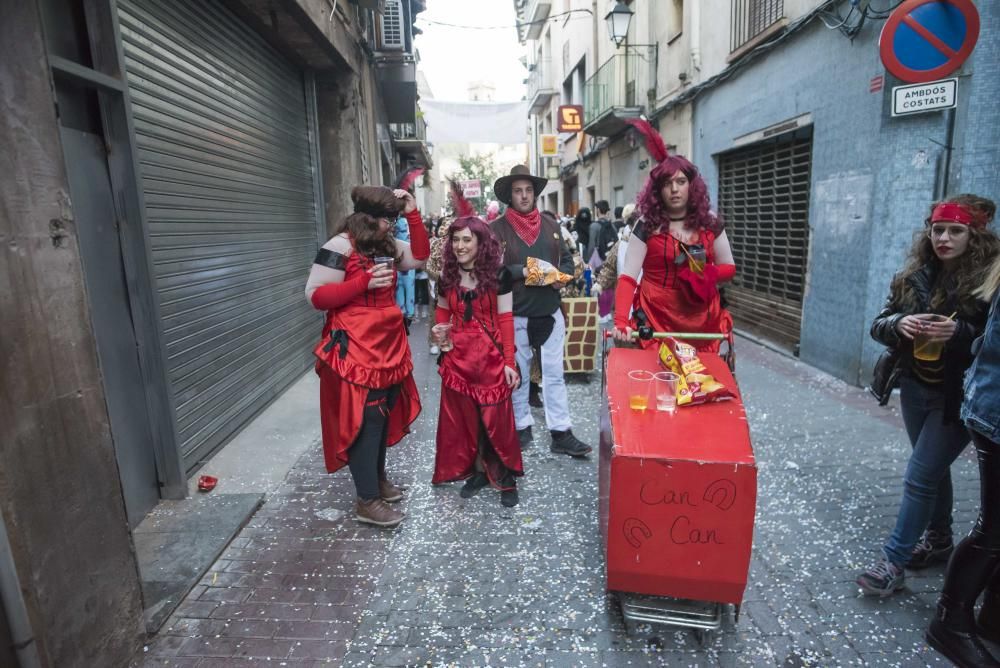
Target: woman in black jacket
point(932, 299)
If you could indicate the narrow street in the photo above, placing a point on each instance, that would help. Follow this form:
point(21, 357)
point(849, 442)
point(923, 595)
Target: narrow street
point(468, 582)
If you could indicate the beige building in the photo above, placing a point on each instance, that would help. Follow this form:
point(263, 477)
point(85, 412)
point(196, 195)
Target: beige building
point(669, 49)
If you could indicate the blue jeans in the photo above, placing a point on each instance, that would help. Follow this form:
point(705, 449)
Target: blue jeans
point(927, 492)
point(404, 291)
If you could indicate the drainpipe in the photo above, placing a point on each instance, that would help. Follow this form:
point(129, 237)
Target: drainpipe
point(944, 157)
point(13, 606)
point(695, 37)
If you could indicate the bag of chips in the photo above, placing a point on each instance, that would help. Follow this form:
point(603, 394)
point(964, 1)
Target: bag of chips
point(696, 385)
point(541, 272)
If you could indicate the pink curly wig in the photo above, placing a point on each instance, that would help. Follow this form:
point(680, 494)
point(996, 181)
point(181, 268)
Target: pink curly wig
point(488, 255)
point(699, 207)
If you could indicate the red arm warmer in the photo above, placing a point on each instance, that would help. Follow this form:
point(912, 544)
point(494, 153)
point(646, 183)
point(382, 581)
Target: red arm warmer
point(335, 295)
point(726, 272)
point(441, 315)
point(506, 321)
point(420, 244)
point(624, 294)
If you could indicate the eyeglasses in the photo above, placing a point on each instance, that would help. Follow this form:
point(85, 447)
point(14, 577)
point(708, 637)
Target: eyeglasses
point(953, 230)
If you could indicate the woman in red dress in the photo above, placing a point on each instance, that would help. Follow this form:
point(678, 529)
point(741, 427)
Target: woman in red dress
point(476, 437)
point(367, 395)
point(680, 246)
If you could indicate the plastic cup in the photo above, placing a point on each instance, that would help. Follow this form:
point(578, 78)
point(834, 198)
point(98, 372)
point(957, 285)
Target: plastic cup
point(665, 390)
point(444, 330)
point(388, 261)
point(925, 349)
point(639, 383)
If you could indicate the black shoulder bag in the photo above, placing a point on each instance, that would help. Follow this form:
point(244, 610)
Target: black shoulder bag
point(885, 376)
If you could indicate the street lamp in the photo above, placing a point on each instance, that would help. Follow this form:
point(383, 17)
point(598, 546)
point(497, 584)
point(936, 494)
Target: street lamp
point(618, 20)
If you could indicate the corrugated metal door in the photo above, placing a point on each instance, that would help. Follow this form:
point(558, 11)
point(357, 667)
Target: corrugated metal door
point(226, 153)
point(764, 199)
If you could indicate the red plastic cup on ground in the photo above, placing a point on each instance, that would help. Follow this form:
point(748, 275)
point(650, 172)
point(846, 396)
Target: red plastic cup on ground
point(207, 483)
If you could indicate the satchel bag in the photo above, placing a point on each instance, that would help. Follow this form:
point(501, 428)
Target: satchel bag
point(885, 376)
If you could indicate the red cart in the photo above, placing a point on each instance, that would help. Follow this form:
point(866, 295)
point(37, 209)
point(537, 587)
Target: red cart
point(678, 494)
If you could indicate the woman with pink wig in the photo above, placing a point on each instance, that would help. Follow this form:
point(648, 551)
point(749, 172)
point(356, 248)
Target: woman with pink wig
point(476, 437)
point(680, 246)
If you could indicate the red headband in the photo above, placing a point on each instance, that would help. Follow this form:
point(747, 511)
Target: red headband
point(952, 212)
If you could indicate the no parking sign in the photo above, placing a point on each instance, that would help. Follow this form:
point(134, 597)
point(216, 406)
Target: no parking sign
point(925, 40)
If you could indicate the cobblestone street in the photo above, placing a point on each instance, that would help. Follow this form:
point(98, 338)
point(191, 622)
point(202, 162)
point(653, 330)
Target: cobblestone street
point(469, 582)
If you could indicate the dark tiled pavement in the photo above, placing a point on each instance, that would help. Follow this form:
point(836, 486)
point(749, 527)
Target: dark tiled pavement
point(468, 582)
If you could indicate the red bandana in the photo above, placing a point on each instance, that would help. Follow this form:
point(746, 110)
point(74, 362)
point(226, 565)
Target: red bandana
point(527, 227)
point(952, 212)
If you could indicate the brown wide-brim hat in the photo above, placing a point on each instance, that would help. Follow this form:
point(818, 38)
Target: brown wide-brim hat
point(504, 184)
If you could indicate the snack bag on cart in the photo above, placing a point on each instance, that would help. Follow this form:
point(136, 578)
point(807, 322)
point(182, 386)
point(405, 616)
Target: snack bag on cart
point(696, 385)
point(541, 272)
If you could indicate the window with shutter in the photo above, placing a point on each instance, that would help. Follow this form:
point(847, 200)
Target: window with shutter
point(764, 201)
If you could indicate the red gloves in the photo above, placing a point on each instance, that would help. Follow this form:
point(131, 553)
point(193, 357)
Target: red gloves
point(335, 295)
point(441, 315)
point(506, 321)
point(726, 272)
point(420, 244)
point(624, 294)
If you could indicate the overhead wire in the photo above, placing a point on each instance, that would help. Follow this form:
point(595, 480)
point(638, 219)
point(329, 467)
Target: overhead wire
point(515, 26)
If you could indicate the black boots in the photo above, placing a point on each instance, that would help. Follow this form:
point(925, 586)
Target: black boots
point(988, 623)
point(525, 438)
point(473, 485)
point(565, 443)
point(953, 632)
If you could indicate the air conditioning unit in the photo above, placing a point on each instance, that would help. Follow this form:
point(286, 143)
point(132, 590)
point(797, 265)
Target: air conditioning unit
point(375, 5)
point(391, 27)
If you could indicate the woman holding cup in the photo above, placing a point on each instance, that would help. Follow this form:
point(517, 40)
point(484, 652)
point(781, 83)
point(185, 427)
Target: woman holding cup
point(367, 395)
point(932, 316)
point(476, 437)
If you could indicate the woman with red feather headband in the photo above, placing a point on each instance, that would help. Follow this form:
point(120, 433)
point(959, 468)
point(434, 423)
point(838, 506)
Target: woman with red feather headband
point(680, 247)
point(367, 395)
point(476, 437)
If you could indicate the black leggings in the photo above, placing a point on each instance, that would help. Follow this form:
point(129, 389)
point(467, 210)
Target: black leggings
point(366, 456)
point(975, 566)
point(986, 533)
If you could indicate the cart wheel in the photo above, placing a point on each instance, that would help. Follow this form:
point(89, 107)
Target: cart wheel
point(704, 637)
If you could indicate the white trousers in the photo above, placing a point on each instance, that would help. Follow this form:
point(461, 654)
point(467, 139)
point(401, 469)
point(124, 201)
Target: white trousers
point(553, 381)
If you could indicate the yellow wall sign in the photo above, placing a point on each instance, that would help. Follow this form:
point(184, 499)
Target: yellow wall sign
point(549, 145)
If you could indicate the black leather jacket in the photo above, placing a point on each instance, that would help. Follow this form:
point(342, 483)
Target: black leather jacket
point(957, 351)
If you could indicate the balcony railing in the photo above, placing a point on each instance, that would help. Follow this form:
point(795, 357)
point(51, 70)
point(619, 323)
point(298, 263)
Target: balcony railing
point(752, 17)
point(624, 81)
point(540, 84)
point(409, 131)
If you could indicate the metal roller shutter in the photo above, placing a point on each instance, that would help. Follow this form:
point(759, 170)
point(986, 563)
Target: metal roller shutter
point(226, 153)
point(764, 199)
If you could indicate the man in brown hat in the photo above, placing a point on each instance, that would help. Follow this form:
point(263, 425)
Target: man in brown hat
point(538, 319)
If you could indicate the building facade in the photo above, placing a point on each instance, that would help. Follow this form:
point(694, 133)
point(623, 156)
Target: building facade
point(178, 163)
point(785, 107)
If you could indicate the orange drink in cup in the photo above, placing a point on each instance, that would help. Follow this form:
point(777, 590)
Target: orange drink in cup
point(923, 347)
point(639, 385)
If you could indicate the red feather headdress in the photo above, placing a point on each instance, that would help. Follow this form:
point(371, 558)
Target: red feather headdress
point(461, 205)
point(654, 142)
point(408, 178)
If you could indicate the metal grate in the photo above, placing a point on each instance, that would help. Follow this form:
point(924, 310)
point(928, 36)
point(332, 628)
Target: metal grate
point(391, 23)
point(226, 155)
point(750, 18)
point(764, 199)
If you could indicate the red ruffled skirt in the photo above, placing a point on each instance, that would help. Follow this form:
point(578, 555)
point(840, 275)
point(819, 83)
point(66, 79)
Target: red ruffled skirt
point(673, 310)
point(475, 405)
point(378, 357)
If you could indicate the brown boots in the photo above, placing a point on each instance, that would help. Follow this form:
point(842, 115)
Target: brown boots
point(388, 492)
point(377, 512)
